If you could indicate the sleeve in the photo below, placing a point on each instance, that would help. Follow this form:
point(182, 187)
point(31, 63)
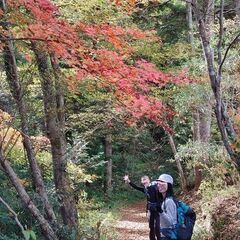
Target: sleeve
point(141, 189)
point(169, 214)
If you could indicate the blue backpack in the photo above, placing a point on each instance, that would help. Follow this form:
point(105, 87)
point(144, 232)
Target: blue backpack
point(186, 218)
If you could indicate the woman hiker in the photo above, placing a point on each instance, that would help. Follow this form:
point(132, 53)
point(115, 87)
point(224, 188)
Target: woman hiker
point(168, 213)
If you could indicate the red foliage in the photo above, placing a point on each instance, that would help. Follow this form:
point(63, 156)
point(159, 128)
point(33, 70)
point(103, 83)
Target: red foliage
point(127, 4)
point(115, 35)
point(131, 84)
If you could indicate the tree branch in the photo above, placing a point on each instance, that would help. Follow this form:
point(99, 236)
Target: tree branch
point(14, 214)
point(26, 39)
point(225, 55)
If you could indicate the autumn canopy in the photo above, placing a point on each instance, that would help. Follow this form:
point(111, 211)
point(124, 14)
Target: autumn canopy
point(76, 44)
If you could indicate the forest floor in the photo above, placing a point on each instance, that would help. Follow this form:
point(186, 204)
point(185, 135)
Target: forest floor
point(226, 218)
point(218, 217)
point(133, 222)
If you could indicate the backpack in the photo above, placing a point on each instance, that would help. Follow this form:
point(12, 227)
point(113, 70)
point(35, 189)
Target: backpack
point(186, 218)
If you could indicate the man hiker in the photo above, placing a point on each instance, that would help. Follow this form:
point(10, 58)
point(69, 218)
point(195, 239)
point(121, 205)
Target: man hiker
point(150, 190)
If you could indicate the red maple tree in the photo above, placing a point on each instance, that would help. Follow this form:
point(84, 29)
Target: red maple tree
point(131, 84)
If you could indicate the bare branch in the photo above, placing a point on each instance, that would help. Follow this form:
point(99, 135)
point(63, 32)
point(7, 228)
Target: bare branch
point(226, 53)
point(26, 39)
point(14, 214)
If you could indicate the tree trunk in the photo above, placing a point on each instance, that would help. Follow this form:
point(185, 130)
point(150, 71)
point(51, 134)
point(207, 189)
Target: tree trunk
point(209, 14)
point(190, 24)
point(204, 137)
point(27, 201)
point(183, 180)
point(205, 113)
point(198, 177)
point(215, 84)
point(205, 118)
point(196, 128)
point(108, 157)
point(227, 122)
point(195, 115)
point(56, 136)
point(59, 85)
point(215, 78)
point(17, 93)
point(196, 138)
point(201, 134)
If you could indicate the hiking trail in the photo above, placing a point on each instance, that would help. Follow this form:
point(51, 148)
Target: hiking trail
point(133, 224)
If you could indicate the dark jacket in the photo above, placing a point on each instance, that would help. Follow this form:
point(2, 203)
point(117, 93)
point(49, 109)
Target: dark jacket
point(150, 191)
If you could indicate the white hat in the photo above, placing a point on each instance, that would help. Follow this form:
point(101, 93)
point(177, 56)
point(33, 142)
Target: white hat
point(165, 178)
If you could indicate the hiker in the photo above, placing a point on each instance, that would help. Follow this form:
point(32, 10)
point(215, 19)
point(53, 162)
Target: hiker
point(168, 215)
point(150, 190)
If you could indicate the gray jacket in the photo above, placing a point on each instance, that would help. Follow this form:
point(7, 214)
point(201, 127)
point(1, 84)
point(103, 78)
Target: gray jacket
point(168, 217)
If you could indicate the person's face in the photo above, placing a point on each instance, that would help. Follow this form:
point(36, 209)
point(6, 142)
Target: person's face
point(162, 186)
point(145, 181)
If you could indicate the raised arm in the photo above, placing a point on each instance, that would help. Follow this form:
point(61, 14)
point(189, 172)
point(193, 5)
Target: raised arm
point(127, 180)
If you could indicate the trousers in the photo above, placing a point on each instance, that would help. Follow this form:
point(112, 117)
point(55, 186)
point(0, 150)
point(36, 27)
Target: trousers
point(154, 225)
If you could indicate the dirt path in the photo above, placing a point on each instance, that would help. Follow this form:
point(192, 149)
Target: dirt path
point(133, 224)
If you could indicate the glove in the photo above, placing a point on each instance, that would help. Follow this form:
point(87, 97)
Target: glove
point(126, 179)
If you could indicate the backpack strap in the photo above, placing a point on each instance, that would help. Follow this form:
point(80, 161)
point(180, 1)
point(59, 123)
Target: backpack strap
point(181, 205)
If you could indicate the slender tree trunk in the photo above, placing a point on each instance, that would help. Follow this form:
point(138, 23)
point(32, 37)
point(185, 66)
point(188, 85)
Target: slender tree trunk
point(216, 77)
point(197, 138)
point(205, 113)
point(178, 162)
point(190, 24)
point(56, 136)
point(108, 157)
point(27, 201)
point(205, 123)
point(196, 116)
point(215, 84)
point(196, 123)
point(227, 122)
point(17, 93)
point(204, 137)
point(198, 177)
point(201, 134)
